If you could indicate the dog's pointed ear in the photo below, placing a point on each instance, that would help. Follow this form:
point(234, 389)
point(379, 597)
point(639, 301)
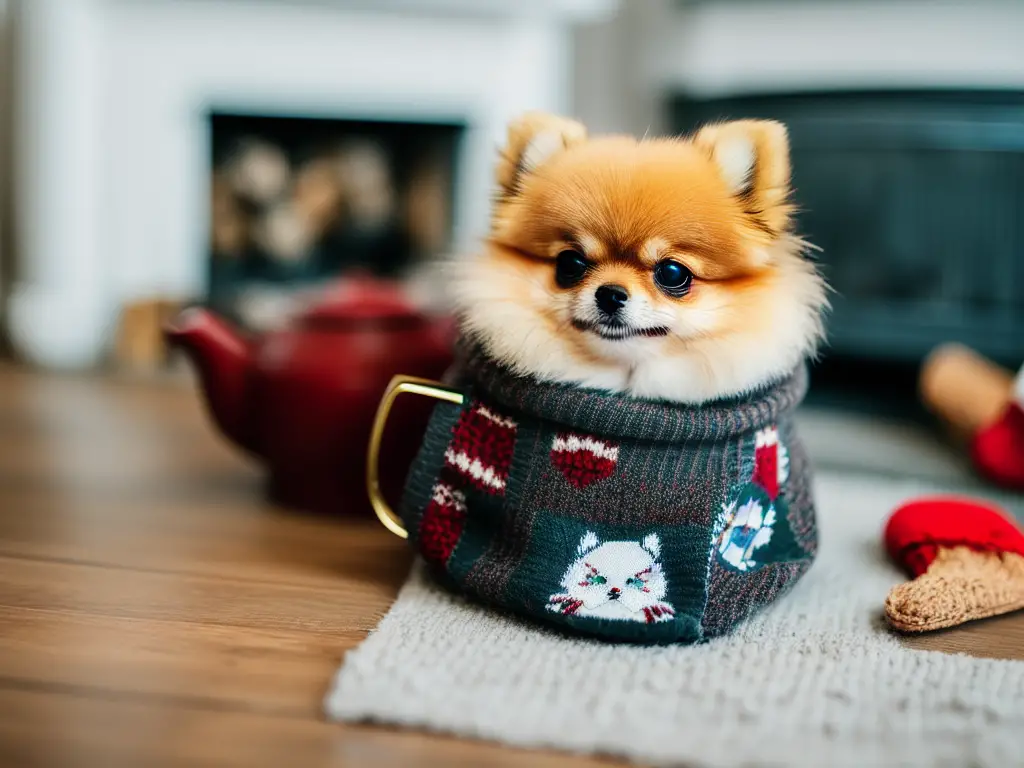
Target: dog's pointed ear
point(652, 544)
point(534, 138)
point(588, 542)
point(752, 158)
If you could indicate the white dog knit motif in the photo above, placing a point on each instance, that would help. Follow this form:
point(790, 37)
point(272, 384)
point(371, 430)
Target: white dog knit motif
point(615, 580)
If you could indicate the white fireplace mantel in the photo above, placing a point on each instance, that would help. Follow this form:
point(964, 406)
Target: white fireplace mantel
point(111, 128)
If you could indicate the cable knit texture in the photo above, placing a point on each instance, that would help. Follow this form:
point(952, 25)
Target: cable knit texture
point(612, 516)
point(814, 679)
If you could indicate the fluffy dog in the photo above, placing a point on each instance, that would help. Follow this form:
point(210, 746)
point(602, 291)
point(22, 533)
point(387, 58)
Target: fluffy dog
point(663, 269)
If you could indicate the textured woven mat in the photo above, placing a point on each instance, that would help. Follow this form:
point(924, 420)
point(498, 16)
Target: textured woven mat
point(815, 680)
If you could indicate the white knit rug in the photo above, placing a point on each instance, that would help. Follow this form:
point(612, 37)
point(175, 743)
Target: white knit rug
point(816, 680)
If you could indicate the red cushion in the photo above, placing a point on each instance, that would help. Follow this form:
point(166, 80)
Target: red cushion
point(917, 530)
point(998, 449)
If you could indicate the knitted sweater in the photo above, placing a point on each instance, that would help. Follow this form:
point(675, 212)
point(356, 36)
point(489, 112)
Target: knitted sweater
point(612, 516)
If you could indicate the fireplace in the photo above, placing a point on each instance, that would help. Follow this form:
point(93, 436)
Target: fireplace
point(296, 201)
point(119, 107)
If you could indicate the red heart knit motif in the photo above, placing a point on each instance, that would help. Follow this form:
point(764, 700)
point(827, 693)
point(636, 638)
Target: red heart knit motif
point(583, 460)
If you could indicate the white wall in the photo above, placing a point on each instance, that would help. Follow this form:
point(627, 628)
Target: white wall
point(736, 46)
point(612, 92)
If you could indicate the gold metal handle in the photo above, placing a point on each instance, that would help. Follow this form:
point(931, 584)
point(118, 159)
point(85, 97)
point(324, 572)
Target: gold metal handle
point(399, 385)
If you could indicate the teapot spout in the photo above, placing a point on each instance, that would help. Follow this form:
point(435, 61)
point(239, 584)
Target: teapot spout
point(223, 357)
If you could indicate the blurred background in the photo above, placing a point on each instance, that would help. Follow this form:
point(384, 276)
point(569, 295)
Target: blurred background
point(239, 153)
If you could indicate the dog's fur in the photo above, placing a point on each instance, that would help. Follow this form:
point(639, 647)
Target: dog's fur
point(717, 202)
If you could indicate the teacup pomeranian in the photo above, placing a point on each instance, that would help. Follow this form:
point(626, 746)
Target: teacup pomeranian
point(663, 269)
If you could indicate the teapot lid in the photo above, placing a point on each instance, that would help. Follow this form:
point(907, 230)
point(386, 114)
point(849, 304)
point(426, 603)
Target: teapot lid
point(359, 300)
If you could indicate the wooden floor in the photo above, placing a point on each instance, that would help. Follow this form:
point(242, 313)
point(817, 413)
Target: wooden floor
point(155, 611)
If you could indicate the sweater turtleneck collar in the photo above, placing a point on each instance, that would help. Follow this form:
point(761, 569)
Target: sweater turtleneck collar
point(619, 416)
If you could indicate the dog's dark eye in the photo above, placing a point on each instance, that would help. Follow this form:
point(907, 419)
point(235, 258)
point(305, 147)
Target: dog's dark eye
point(570, 267)
point(672, 277)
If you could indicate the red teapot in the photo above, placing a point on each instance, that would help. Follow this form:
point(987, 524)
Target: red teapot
point(302, 399)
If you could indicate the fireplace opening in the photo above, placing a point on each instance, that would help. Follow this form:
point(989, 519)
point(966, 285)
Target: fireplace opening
point(297, 201)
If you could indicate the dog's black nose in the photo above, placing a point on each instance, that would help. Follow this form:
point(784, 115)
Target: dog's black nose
point(611, 298)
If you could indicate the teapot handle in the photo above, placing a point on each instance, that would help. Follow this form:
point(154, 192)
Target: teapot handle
point(399, 385)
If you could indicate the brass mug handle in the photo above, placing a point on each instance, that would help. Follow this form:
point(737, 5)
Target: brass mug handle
point(399, 385)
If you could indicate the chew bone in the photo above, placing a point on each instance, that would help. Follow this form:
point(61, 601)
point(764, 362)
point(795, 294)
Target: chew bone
point(960, 585)
point(966, 557)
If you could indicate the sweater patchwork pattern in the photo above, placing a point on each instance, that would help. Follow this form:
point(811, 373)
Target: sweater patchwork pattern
point(601, 515)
